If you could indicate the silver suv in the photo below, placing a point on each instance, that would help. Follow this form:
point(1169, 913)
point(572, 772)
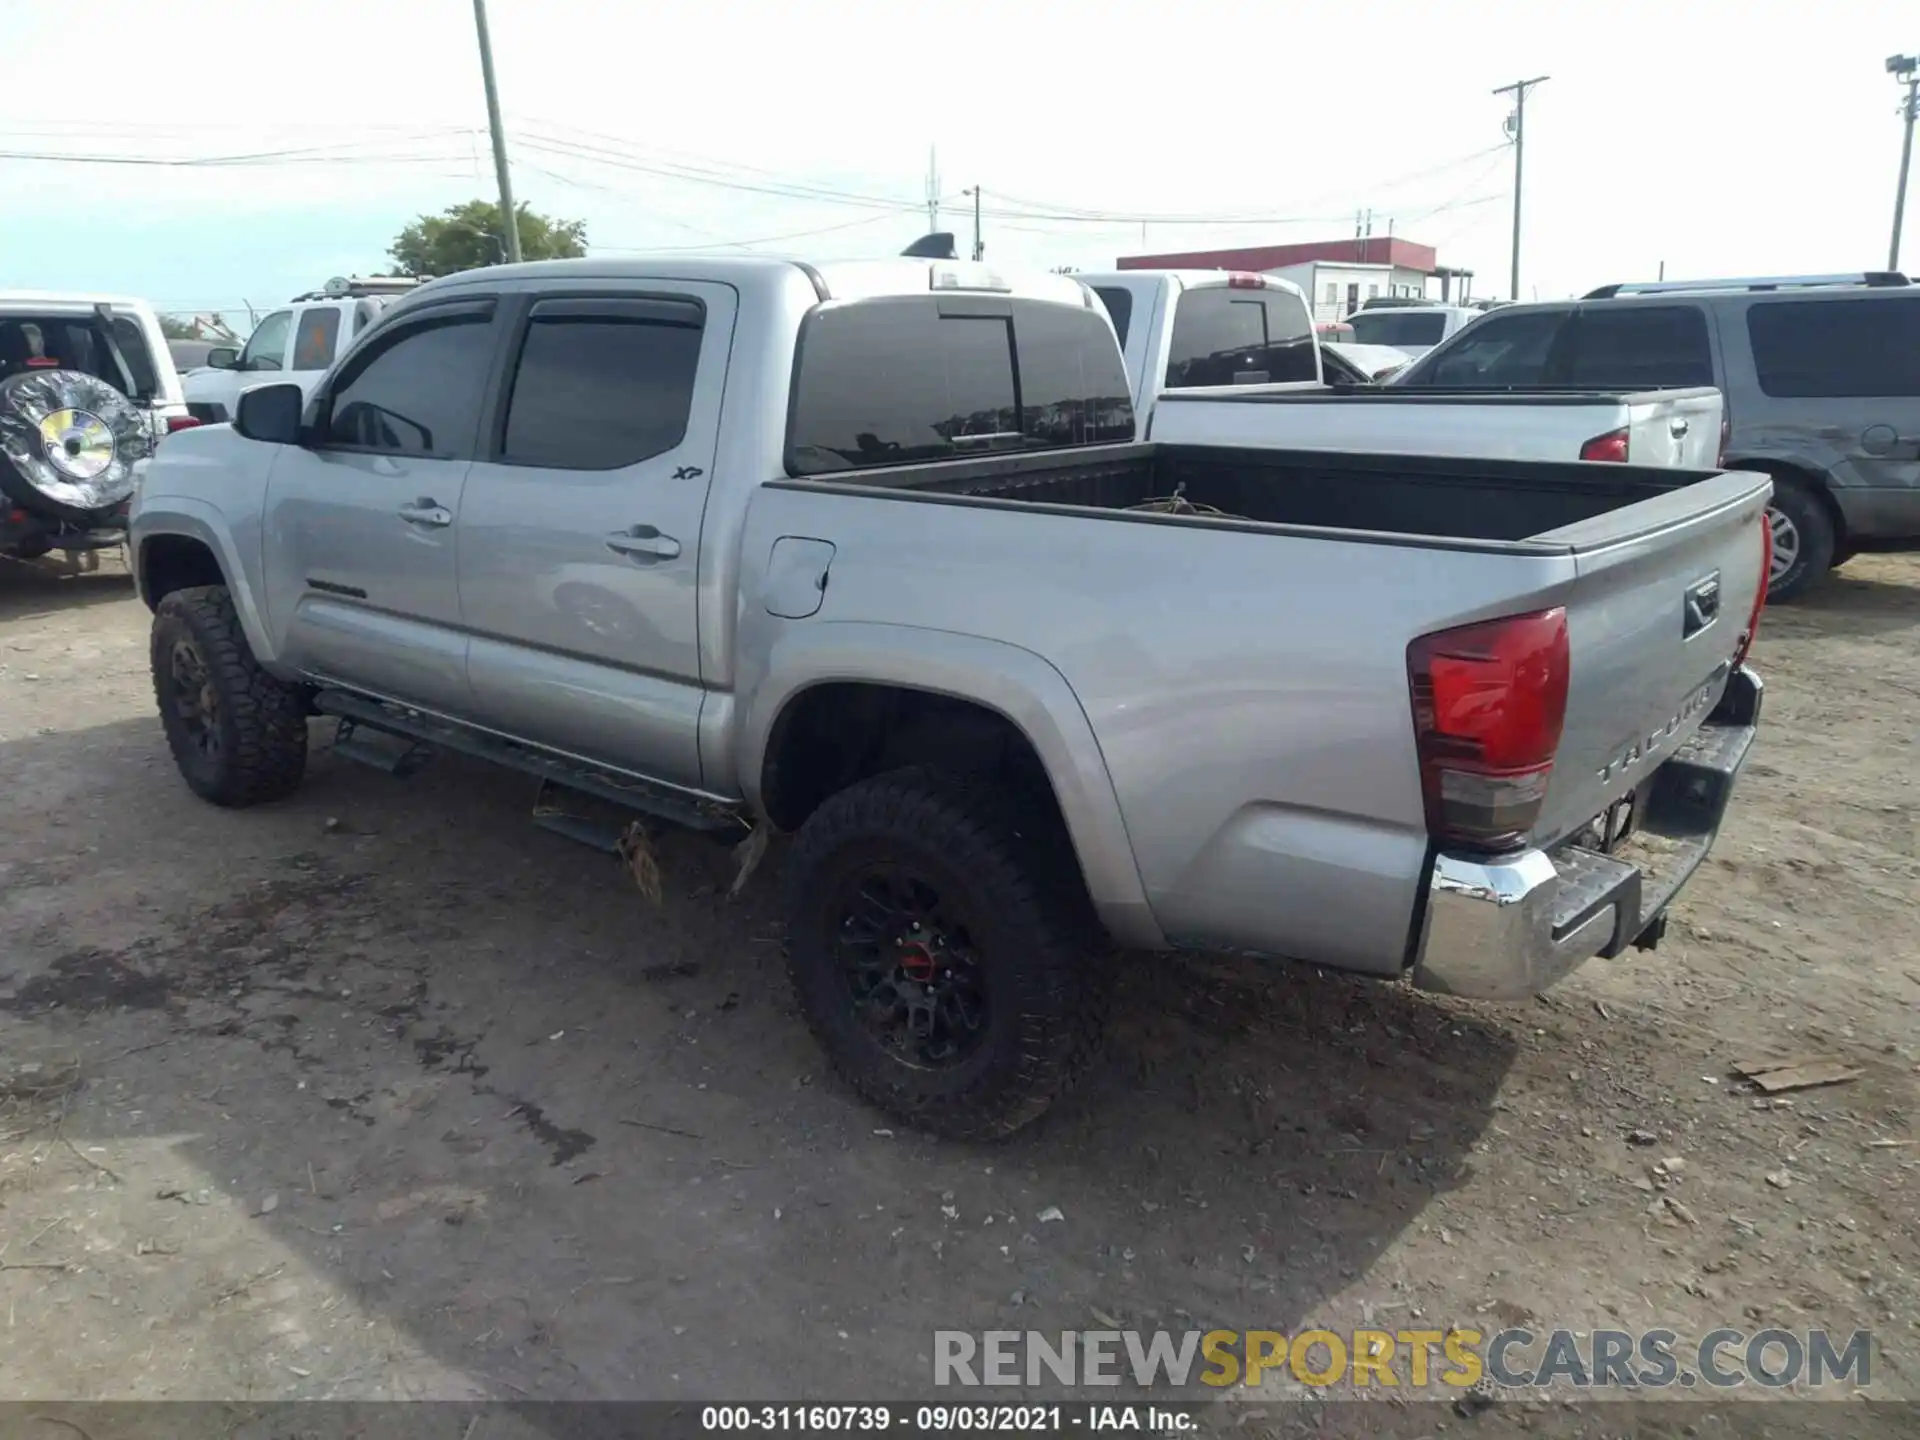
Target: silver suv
point(1821, 376)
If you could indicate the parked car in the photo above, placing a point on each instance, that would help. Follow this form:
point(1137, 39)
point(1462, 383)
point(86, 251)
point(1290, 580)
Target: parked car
point(1411, 326)
point(294, 344)
point(87, 388)
point(1370, 363)
point(1014, 679)
point(1217, 357)
point(1821, 377)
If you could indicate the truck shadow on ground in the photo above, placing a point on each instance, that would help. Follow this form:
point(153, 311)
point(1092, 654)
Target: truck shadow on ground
point(566, 1145)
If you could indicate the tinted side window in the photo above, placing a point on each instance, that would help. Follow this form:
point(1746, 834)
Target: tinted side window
point(267, 343)
point(131, 341)
point(1829, 348)
point(418, 392)
point(598, 392)
point(1119, 305)
point(315, 337)
point(1072, 382)
point(1497, 351)
point(1239, 337)
point(891, 381)
point(1631, 346)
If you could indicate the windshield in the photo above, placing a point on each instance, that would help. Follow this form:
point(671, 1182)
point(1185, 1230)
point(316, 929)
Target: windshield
point(1398, 327)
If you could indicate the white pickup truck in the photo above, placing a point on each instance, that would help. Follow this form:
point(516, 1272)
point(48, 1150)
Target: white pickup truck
point(296, 343)
point(1219, 357)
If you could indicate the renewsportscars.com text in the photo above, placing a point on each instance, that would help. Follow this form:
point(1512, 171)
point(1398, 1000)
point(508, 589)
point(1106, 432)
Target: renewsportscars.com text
point(1457, 1358)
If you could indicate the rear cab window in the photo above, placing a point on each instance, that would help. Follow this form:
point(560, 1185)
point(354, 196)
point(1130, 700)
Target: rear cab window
point(1230, 336)
point(904, 379)
point(1410, 326)
point(1119, 303)
point(1828, 349)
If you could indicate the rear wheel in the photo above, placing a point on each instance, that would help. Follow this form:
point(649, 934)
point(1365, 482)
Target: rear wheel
point(940, 952)
point(1803, 539)
point(238, 735)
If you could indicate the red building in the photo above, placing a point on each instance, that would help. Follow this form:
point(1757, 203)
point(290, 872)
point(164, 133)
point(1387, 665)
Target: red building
point(1386, 250)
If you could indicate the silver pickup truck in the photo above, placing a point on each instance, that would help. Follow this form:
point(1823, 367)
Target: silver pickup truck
point(869, 553)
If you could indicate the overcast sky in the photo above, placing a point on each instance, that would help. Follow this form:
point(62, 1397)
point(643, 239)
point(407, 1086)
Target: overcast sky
point(1718, 138)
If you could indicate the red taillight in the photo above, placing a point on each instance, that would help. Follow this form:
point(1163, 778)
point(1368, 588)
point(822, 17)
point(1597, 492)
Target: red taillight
point(1246, 282)
point(1488, 703)
point(177, 423)
point(1760, 596)
point(1611, 446)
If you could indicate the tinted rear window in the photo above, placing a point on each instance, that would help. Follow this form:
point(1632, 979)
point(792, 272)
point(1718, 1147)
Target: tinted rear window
point(1225, 336)
point(1497, 351)
point(1119, 305)
point(1399, 327)
point(1829, 348)
point(888, 382)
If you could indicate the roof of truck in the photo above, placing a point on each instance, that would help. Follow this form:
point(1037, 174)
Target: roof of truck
point(16, 299)
point(1189, 279)
point(841, 279)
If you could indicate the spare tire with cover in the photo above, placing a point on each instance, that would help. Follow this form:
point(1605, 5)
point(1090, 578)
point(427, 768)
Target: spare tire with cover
point(69, 444)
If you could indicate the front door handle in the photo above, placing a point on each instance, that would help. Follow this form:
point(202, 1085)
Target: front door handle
point(427, 511)
point(643, 542)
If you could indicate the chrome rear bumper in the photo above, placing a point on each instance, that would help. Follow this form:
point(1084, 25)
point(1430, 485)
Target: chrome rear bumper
point(1504, 927)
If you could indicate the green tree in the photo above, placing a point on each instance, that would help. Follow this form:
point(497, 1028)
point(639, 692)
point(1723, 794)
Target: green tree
point(466, 237)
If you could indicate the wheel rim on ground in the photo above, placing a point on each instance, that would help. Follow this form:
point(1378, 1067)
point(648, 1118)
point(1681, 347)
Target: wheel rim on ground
point(1786, 543)
point(195, 704)
point(910, 968)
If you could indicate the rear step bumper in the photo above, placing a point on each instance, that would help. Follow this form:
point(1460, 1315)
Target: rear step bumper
point(1506, 927)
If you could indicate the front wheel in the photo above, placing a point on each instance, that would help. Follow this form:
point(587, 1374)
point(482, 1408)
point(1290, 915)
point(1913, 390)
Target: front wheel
point(941, 951)
point(238, 735)
point(1803, 539)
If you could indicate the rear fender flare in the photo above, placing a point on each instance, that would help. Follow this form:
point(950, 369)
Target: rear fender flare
point(1017, 683)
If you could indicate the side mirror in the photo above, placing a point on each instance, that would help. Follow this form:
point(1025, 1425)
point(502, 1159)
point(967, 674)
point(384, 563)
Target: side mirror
point(270, 414)
point(223, 357)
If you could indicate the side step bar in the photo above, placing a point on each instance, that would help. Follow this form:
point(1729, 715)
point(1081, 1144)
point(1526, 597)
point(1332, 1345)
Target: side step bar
point(663, 802)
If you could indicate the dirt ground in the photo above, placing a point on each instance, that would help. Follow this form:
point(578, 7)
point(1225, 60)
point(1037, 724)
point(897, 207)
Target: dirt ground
point(382, 1092)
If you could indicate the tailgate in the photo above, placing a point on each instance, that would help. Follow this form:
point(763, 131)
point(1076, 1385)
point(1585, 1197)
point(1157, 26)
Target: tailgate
point(1675, 428)
point(1663, 593)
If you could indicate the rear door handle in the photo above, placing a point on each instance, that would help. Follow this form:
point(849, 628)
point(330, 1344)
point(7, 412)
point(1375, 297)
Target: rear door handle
point(427, 511)
point(643, 542)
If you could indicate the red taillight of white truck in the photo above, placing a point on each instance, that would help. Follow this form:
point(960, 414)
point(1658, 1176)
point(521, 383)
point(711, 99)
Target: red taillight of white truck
point(1760, 596)
point(1610, 447)
point(1489, 701)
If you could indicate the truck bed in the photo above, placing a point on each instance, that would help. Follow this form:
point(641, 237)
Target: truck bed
point(1430, 498)
point(1678, 428)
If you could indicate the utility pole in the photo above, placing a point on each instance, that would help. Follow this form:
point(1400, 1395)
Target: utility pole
point(933, 189)
point(1905, 69)
point(509, 217)
point(1517, 128)
point(979, 249)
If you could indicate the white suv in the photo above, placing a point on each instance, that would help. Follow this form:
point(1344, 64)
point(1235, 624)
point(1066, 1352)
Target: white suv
point(296, 343)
